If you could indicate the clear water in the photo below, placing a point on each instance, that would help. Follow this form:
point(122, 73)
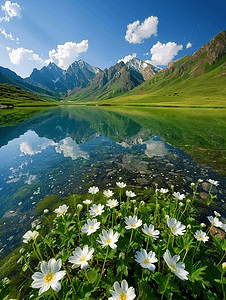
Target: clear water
point(64, 150)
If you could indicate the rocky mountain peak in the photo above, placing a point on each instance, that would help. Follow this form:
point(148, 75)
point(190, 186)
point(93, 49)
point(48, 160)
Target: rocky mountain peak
point(213, 50)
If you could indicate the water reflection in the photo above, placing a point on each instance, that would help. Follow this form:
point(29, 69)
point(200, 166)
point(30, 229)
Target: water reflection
point(63, 150)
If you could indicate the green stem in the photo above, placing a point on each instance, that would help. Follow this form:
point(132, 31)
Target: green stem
point(222, 283)
point(195, 251)
point(33, 246)
point(185, 255)
point(221, 259)
point(129, 241)
point(147, 244)
point(69, 277)
point(37, 247)
point(165, 287)
point(53, 294)
point(104, 262)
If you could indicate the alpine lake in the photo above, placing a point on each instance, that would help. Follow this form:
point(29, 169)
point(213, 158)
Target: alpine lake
point(65, 150)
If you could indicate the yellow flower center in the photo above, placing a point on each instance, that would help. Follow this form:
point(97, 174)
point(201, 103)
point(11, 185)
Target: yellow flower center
point(91, 227)
point(133, 225)
point(97, 211)
point(173, 228)
point(173, 267)
point(108, 241)
point(201, 238)
point(49, 277)
point(82, 258)
point(150, 233)
point(122, 296)
point(145, 261)
point(112, 204)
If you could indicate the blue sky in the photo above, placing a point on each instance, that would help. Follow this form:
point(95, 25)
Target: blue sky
point(34, 33)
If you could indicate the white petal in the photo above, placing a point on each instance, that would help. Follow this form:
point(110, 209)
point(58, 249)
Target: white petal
point(59, 275)
point(124, 285)
point(44, 267)
point(37, 276)
point(37, 284)
point(56, 286)
point(117, 287)
point(43, 289)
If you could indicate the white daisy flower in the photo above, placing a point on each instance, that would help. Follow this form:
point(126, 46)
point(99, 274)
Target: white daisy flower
point(176, 227)
point(215, 221)
point(201, 236)
point(146, 260)
point(80, 257)
point(87, 201)
point(177, 268)
point(203, 225)
point(30, 235)
point(112, 203)
point(164, 191)
point(108, 193)
point(217, 214)
point(49, 276)
point(130, 194)
point(213, 182)
point(93, 190)
point(132, 222)
point(150, 231)
point(109, 239)
point(61, 210)
point(178, 195)
point(45, 211)
point(121, 184)
point(91, 226)
point(96, 210)
point(122, 293)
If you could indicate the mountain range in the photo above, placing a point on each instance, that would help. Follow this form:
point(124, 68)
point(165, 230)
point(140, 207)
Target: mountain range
point(83, 82)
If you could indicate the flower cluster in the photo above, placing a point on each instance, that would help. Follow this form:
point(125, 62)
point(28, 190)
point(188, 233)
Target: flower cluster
point(158, 241)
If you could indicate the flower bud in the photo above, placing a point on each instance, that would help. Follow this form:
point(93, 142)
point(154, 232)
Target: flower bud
point(79, 207)
point(224, 266)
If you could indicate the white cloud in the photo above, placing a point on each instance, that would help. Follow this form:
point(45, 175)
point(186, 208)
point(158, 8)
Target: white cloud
point(11, 10)
point(8, 48)
point(127, 58)
point(31, 149)
point(146, 53)
point(21, 54)
point(67, 53)
point(8, 36)
point(189, 45)
point(137, 32)
point(162, 54)
point(70, 148)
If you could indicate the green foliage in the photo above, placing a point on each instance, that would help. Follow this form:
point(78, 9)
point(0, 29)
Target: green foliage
point(47, 203)
point(60, 237)
point(15, 96)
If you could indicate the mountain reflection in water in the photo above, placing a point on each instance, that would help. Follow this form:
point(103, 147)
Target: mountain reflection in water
point(62, 149)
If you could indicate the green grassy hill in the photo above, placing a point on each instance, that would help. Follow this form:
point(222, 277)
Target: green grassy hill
point(175, 89)
point(196, 80)
point(14, 96)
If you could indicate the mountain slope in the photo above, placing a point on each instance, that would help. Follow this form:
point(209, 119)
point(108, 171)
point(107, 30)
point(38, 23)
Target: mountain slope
point(11, 96)
point(10, 77)
point(77, 75)
point(114, 81)
point(199, 79)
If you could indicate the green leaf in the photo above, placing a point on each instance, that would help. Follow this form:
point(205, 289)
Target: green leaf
point(163, 281)
point(197, 273)
point(92, 275)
